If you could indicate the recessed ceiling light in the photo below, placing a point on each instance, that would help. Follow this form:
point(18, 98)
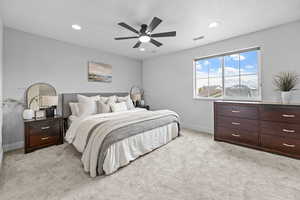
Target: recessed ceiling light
point(214, 25)
point(76, 27)
point(142, 49)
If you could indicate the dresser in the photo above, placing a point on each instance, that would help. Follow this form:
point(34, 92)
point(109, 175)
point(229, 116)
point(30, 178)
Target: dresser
point(40, 133)
point(265, 126)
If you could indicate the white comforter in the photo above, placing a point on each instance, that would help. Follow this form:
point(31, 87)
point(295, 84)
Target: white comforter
point(78, 131)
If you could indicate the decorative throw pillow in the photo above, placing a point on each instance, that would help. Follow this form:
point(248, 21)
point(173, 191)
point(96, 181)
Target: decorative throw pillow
point(103, 107)
point(109, 100)
point(87, 105)
point(74, 108)
point(119, 107)
point(128, 101)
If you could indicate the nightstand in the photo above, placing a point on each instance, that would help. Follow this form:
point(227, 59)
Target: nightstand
point(144, 106)
point(44, 132)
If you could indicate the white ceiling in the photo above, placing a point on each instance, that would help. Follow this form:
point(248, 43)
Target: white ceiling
point(190, 18)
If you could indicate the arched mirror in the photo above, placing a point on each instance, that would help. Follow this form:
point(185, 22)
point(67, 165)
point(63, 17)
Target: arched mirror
point(36, 93)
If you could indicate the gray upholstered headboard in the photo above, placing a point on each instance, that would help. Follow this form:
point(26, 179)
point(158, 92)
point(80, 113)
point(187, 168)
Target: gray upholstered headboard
point(66, 98)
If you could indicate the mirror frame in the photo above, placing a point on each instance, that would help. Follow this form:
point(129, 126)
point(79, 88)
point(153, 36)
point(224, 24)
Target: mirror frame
point(34, 84)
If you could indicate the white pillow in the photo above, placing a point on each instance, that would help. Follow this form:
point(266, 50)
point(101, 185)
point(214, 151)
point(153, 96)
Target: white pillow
point(109, 100)
point(87, 105)
point(82, 98)
point(128, 101)
point(74, 108)
point(103, 107)
point(119, 107)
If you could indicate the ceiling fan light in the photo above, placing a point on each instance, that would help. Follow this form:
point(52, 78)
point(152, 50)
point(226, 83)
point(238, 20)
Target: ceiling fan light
point(144, 38)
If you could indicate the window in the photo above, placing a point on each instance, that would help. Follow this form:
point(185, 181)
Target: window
point(232, 76)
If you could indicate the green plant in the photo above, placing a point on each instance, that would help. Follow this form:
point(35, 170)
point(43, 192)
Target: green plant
point(286, 81)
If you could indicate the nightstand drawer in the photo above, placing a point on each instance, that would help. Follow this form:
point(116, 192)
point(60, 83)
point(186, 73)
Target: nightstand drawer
point(50, 128)
point(38, 140)
point(40, 133)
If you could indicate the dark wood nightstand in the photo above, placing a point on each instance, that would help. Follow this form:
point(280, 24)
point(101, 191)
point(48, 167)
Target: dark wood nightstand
point(44, 132)
point(144, 106)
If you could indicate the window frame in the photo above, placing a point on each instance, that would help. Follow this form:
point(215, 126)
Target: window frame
point(259, 71)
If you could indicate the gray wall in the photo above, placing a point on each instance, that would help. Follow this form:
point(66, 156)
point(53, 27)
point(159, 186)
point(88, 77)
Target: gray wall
point(1, 62)
point(168, 80)
point(29, 58)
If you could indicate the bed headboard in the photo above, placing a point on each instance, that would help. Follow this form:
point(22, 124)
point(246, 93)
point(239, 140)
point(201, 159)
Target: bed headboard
point(66, 98)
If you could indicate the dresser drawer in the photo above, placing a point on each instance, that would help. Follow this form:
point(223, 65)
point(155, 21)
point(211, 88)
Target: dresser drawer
point(39, 140)
point(281, 144)
point(241, 111)
point(280, 114)
point(50, 128)
point(239, 136)
point(280, 129)
point(238, 123)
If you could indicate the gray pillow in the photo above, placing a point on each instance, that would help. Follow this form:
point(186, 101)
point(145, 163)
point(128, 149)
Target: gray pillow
point(103, 107)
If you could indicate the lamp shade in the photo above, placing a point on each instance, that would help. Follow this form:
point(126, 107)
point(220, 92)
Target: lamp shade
point(48, 101)
point(136, 97)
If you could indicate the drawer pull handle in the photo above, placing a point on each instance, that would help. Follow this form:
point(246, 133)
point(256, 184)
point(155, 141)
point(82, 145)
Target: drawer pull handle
point(45, 127)
point(288, 116)
point(45, 138)
point(235, 135)
point(288, 131)
point(235, 123)
point(289, 145)
point(235, 111)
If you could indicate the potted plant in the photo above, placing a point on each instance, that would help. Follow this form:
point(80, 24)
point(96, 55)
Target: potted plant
point(286, 82)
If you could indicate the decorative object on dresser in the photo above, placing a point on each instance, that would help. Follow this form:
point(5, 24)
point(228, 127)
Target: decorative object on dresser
point(44, 132)
point(99, 72)
point(270, 127)
point(286, 82)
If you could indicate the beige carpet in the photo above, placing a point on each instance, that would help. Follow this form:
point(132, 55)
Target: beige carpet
point(190, 167)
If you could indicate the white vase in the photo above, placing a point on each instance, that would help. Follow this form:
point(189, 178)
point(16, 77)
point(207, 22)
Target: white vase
point(286, 97)
point(28, 114)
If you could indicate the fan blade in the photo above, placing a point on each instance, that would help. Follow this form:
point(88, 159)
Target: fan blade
point(156, 43)
point(137, 45)
point(166, 34)
point(128, 27)
point(154, 23)
point(124, 38)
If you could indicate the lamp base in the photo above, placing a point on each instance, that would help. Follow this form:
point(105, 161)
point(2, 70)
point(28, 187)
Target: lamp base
point(50, 112)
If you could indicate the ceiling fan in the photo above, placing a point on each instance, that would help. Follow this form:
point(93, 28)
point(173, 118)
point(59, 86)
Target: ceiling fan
point(145, 34)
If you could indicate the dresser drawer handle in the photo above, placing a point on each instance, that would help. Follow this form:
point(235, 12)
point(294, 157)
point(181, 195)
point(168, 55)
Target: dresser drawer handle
point(45, 127)
point(45, 138)
point(288, 116)
point(235, 135)
point(289, 145)
point(235, 123)
point(235, 111)
point(288, 131)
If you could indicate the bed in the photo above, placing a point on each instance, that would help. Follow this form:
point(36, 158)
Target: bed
point(109, 141)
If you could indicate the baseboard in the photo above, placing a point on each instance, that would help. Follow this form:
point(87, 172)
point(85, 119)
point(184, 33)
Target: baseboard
point(198, 128)
point(13, 146)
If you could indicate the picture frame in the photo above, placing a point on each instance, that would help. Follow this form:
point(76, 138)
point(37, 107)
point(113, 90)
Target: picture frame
point(99, 72)
point(40, 114)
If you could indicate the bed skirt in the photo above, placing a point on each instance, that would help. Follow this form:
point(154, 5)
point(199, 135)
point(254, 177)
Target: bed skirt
point(121, 153)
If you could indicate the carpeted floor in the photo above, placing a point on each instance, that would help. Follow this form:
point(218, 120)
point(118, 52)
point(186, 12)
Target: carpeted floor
point(191, 167)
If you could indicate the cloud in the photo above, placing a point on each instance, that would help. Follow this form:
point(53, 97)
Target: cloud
point(237, 57)
point(206, 62)
point(198, 66)
point(249, 66)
